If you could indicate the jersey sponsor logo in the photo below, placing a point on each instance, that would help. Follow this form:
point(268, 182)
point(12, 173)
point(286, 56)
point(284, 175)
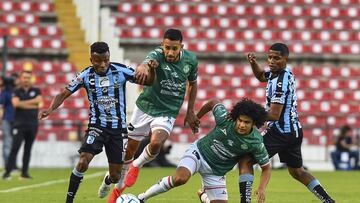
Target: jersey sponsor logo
point(230, 142)
point(92, 81)
point(104, 81)
point(220, 150)
point(175, 75)
point(169, 93)
point(279, 84)
point(76, 80)
point(107, 102)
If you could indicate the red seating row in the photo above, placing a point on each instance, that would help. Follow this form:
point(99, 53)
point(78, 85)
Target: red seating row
point(40, 66)
point(27, 6)
point(230, 9)
point(31, 31)
point(36, 43)
point(13, 18)
point(315, 71)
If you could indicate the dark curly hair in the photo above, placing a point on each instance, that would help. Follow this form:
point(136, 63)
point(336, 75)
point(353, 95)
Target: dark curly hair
point(251, 109)
point(99, 47)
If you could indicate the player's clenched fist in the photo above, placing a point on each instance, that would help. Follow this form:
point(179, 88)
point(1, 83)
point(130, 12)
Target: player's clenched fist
point(251, 57)
point(153, 63)
point(43, 114)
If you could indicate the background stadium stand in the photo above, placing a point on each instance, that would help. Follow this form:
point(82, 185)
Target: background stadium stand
point(323, 36)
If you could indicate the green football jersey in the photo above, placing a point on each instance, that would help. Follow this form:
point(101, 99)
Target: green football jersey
point(166, 95)
point(223, 146)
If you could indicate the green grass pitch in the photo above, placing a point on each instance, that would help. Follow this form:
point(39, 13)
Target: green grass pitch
point(50, 185)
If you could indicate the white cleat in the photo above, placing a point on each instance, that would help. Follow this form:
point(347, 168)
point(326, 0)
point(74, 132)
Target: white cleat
point(104, 189)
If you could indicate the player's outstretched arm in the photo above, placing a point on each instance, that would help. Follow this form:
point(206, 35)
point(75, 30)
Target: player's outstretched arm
point(264, 180)
point(208, 106)
point(258, 72)
point(55, 103)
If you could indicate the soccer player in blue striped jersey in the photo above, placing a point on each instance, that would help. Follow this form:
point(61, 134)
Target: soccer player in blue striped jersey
point(284, 133)
point(104, 82)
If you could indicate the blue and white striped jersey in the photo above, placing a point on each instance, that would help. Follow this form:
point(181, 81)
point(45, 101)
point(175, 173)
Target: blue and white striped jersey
point(282, 90)
point(106, 94)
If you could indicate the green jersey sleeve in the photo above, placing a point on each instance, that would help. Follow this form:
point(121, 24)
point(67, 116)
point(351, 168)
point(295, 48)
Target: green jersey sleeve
point(154, 54)
point(260, 154)
point(194, 69)
point(220, 114)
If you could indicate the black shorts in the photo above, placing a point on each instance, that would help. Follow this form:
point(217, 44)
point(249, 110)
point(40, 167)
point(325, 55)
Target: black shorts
point(288, 146)
point(114, 140)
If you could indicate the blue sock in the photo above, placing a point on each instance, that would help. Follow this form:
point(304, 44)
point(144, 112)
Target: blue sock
point(245, 185)
point(315, 187)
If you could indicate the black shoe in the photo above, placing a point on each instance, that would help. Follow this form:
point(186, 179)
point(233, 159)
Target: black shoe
point(6, 176)
point(25, 177)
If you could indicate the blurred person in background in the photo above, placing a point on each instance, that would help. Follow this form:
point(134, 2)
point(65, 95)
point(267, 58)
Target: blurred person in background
point(26, 101)
point(345, 143)
point(7, 114)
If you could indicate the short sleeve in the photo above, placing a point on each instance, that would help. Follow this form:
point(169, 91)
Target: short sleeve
point(129, 74)
point(220, 113)
point(194, 69)
point(261, 156)
point(76, 83)
point(155, 54)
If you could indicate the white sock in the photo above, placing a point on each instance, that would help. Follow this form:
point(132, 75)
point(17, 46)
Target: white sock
point(165, 184)
point(124, 172)
point(145, 157)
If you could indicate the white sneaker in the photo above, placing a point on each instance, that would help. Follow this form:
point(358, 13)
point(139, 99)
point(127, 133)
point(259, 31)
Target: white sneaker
point(104, 189)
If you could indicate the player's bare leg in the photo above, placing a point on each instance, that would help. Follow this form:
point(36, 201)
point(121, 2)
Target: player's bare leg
point(132, 147)
point(112, 176)
point(149, 153)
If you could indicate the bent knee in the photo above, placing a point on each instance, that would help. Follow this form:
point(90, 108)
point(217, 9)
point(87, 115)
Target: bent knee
point(180, 180)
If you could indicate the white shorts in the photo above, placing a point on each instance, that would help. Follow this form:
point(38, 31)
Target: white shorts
point(214, 186)
point(141, 124)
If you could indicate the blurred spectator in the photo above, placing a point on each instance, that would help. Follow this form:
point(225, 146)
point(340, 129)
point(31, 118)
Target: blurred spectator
point(26, 100)
point(7, 114)
point(344, 144)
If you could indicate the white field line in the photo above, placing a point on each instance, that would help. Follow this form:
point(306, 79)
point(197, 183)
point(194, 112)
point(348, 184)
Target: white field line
point(53, 182)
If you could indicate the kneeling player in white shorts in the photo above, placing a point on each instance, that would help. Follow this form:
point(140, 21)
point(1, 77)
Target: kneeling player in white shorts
point(212, 156)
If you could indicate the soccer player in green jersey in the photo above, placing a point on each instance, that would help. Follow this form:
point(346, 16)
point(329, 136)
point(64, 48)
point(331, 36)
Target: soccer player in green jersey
point(158, 106)
point(212, 156)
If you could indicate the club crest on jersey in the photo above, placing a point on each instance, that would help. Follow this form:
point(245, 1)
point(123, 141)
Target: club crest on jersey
point(90, 139)
point(186, 69)
point(104, 82)
point(32, 94)
point(244, 146)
